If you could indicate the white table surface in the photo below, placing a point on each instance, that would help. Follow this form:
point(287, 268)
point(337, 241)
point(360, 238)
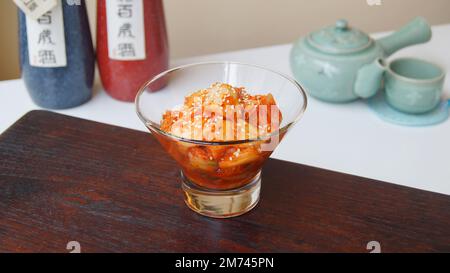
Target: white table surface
point(347, 138)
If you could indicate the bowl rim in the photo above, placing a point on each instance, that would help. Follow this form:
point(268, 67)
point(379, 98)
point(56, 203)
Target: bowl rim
point(155, 126)
point(397, 75)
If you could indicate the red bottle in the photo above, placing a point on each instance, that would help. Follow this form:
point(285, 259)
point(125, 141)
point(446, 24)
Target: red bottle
point(132, 44)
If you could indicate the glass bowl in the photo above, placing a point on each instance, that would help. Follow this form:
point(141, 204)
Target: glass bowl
point(221, 178)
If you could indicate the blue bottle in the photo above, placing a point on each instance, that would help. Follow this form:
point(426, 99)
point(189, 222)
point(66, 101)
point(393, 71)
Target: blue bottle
point(57, 56)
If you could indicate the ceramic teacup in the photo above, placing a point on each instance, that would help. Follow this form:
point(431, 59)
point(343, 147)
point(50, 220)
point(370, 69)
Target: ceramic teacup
point(413, 86)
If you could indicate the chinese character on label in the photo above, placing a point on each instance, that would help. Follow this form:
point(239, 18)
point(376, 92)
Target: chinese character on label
point(126, 33)
point(47, 57)
point(46, 39)
point(125, 11)
point(45, 19)
point(35, 8)
point(126, 50)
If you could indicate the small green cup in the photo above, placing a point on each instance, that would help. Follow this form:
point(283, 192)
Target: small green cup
point(413, 86)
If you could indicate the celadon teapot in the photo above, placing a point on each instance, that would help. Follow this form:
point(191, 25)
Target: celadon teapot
point(341, 64)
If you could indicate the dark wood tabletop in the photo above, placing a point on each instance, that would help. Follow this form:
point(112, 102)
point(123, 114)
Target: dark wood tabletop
point(115, 190)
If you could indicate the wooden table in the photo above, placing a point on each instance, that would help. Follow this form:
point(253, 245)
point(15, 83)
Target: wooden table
point(115, 190)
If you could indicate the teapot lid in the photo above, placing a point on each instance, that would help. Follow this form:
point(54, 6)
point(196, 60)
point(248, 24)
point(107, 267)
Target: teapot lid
point(339, 39)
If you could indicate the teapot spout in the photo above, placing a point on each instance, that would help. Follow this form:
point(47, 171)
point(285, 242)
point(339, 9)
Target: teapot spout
point(415, 32)
point(368, 79)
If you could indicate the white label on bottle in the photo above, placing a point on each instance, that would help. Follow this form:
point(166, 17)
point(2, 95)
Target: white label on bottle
point(125, 27)
point(46, 40)
point(35, 8)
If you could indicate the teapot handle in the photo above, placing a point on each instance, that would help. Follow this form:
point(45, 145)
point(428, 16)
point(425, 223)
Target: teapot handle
point(369, 78)
point(415, 32)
